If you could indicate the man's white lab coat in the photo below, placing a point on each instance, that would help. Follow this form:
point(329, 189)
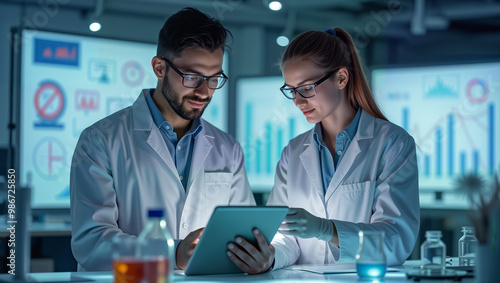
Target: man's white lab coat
point(375, 187)
point(121, 167)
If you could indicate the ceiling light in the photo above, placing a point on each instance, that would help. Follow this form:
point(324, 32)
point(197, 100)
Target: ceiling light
point(95, 26)
point(282, 40)
point(94, 18)
point(275, 5)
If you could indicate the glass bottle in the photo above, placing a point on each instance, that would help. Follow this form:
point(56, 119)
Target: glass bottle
point(433, 253)
point(467, 246)
point(370, 258)
point(155, 248)
point(126, 267)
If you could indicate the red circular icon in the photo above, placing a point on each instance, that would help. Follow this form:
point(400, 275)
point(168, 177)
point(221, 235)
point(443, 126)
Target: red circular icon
point(132, 73)
point(49, 101)
point(477, 91)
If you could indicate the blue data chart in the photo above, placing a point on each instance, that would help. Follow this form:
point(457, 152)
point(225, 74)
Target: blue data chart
point(266, 122)
point(451, 112)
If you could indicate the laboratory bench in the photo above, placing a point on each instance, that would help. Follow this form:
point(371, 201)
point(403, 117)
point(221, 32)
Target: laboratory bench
point(289, 274)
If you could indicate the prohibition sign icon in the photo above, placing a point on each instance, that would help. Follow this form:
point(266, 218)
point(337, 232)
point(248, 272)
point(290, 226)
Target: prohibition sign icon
point(49, 101)
point(473, 88)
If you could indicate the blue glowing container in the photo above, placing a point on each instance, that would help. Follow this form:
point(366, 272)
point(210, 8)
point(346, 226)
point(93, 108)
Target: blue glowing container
point(371, 270)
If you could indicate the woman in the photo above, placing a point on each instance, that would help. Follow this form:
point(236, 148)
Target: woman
point(353, 171)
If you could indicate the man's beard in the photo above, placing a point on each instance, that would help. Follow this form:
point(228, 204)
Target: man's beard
point(173, 100)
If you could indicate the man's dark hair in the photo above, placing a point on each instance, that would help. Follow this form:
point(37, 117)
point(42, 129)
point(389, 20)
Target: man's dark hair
point(190, 28)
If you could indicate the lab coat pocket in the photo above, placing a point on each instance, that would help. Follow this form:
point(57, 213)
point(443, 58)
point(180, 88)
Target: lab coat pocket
point(217, 188)
point(356, 201)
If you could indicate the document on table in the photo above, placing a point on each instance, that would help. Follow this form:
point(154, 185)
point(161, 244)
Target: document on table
point(332, 268)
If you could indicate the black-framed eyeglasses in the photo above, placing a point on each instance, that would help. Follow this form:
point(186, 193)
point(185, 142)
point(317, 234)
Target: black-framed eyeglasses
point(306, 91)
point(194, 81)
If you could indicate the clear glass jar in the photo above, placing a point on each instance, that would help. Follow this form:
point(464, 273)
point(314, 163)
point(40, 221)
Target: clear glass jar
point(467, 246)
point(370, 258)
point(433, 253)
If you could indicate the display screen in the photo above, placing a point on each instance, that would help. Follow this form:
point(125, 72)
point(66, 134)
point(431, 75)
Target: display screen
point(266, 121)
point(451, 112)
point(68, 82)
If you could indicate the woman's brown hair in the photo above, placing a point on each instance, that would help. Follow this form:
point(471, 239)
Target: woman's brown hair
point(330, 52)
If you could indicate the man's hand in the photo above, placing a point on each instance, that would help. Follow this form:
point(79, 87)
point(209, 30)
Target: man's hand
point(249, 258)
point(186, 247)
point(298, 222)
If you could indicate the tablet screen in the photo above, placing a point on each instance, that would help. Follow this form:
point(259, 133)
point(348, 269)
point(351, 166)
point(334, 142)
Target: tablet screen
point(226, 223)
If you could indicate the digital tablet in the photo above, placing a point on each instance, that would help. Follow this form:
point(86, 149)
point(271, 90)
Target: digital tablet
point(226, 223)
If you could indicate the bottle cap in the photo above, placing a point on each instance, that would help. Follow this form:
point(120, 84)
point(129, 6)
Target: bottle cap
point(433, 234)
point(155, 213)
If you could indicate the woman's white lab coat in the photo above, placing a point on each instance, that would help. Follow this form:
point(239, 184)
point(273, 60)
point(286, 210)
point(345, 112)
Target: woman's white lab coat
point(375, 187)
point(121, 167)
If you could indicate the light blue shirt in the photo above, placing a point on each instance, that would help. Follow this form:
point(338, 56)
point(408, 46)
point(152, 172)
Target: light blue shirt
point(181, 151)
point(327, 162)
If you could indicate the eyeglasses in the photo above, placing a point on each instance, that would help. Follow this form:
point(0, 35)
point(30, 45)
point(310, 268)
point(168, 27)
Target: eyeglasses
point(194, 81)
point(306, 91)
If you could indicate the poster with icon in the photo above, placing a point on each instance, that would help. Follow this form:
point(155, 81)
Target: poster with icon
point(68, 82)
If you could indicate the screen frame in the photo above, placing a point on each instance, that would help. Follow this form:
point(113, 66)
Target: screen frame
point(16, 94)
point(437, 192)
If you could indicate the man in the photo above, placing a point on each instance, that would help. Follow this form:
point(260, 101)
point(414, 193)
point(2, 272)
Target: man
point(159, 152)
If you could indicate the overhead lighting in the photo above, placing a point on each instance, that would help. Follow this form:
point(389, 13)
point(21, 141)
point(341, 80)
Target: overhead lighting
point(287, 32)
point(275, 5)
point(282, 40)
point(95, 26)
point(94, 18)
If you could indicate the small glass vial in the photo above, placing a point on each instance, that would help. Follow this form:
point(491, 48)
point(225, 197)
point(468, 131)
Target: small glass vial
point(467, 246)
point(370, 259)
point(433, 253)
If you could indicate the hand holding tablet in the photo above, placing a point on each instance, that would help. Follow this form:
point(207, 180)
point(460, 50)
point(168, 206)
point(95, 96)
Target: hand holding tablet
point(226, 224)
point(249, 258)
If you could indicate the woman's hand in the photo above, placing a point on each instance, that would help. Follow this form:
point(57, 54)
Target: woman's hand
point(298, 222)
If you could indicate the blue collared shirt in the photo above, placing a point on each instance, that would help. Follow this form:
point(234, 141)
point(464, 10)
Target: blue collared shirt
point(326, 161)
point(181, 151)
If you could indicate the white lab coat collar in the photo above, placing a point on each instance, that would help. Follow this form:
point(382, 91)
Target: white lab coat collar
point(202, 146)
point(310, 157)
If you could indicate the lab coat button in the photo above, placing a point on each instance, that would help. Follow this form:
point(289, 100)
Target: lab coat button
point(321, 210)
point(181, 177)
point(322, 247)
point(184, 225)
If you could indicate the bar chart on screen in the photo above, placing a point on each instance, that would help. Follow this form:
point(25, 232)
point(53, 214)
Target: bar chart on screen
point(451, 113)
point(266, 121)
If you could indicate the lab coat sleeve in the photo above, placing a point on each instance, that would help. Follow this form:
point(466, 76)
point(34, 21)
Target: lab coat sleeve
point(395, 209)
point(241, 193)
point(287, 250)
point(94, 212)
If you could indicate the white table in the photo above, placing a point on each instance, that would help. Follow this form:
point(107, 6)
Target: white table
point(283, 275)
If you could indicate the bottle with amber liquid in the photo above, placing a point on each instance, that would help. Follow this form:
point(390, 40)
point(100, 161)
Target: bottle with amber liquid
point(155, 248)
